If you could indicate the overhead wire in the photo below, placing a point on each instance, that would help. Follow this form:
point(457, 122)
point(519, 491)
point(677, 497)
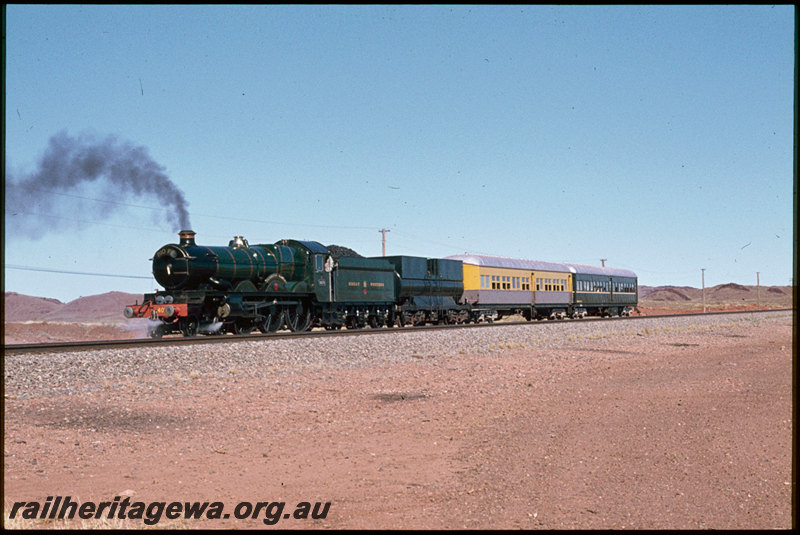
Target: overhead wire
point(33, 268)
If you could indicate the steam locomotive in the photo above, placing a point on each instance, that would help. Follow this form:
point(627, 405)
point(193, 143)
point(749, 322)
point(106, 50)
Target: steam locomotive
point(298, 285)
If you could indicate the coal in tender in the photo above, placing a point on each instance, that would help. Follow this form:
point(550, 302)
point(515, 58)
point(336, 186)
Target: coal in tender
point(338, 251)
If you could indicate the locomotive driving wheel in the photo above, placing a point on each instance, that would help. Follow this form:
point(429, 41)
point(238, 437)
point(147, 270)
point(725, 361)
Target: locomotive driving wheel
point(298, 317)
point(272, 321)
point(243, 326)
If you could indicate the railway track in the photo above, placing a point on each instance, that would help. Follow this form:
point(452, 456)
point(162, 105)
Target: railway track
point(64, 347)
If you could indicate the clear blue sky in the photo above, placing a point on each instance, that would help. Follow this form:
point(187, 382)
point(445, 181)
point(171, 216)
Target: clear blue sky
point(657, 137)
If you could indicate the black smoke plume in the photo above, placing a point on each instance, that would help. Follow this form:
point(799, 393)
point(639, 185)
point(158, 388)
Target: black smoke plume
point(81, 180)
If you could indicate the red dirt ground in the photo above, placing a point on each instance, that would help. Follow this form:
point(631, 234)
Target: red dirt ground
point(672, 430)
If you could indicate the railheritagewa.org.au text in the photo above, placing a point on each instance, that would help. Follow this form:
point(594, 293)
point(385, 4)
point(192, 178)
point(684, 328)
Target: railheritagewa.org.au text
point(151, 513)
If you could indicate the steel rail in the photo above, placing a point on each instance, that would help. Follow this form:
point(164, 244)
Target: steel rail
point(65, 347)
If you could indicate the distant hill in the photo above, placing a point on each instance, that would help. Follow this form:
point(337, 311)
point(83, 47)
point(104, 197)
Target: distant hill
point(723, 294)
point(666, 294)
point(103, 308)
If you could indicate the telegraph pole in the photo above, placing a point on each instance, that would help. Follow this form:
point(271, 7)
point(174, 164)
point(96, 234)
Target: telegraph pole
point(603, 261)
point(383, 232)
point(758, 291)
point(704, 289)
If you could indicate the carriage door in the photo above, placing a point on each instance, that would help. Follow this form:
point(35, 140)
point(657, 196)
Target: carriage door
point(322, 278)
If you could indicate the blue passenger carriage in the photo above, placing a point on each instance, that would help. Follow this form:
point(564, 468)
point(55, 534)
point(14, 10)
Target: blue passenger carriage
point(604, 291)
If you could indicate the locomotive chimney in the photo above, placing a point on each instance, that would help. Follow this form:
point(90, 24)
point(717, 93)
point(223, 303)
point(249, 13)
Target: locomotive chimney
point(187, 238)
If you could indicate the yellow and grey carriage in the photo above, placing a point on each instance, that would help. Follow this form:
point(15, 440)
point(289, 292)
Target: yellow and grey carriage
point(496, 287)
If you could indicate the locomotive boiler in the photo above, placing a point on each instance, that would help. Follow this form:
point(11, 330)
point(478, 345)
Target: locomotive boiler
point(188, 266)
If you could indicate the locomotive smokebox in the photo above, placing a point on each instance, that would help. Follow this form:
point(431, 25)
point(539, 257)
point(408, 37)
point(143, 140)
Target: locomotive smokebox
point(187, 238)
